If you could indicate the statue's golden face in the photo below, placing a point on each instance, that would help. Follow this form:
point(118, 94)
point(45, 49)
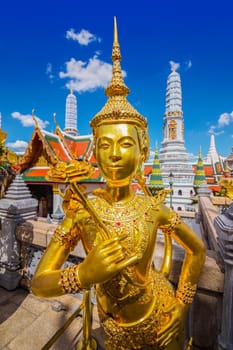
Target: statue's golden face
point(117, 150)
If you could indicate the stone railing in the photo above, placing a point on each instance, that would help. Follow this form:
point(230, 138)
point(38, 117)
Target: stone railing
point(207, 212)
point(218, 234)
point(224, 229)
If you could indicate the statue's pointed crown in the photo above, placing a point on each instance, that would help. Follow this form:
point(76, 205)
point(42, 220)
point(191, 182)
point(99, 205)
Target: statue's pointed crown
point(117, 109)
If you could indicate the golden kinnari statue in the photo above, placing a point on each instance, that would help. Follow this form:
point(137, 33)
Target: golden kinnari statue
point(138, 307)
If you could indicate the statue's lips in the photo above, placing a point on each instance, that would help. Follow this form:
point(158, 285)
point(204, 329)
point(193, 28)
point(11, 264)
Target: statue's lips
point(112, 167)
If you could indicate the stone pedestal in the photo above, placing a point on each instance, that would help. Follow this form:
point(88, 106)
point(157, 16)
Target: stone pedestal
point(57, 216)
point(58, 213)
point(203, 190)
point(224, 227)
point(17, 206)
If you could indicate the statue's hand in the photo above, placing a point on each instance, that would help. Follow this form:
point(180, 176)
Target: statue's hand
point(77, 170)
point(176, 313)
point(104, 261)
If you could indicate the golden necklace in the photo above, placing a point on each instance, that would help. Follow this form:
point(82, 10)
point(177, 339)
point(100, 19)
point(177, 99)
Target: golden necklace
point(127, 218)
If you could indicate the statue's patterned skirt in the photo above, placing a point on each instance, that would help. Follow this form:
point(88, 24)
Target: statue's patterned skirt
point(143, 334)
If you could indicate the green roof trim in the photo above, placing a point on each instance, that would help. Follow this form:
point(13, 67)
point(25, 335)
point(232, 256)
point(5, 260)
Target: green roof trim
point(34, 178)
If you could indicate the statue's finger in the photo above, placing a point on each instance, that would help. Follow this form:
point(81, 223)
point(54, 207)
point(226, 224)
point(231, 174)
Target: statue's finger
point(127, 262)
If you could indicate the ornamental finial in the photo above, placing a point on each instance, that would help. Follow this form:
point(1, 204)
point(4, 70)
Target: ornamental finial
point(55, 118)
point(115, 39)
point(34, 118)
point(116, 85)
point(200, 152)
point(117, 109)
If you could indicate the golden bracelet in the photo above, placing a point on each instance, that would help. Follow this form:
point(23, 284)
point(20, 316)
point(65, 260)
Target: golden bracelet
point(174, 220)
point(69, 280)
point(67, 239)
point(185, 292)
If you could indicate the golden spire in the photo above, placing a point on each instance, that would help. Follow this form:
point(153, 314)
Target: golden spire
point(55, 118)
point(116, 85)
point(117, 109)
point(34, 118)
point(115, 39)
point(200, 152)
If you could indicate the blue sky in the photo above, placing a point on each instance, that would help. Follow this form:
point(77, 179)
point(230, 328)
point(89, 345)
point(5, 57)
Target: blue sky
point(47, 46)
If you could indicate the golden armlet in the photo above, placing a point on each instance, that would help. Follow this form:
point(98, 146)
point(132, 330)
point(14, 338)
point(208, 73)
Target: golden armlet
point(185, 292)
point(174, 220)
point(69, 280)
point(67, 239)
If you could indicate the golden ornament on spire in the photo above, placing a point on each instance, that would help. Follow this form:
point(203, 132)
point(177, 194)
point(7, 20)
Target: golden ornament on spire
point(34, 118)
point(117, 109)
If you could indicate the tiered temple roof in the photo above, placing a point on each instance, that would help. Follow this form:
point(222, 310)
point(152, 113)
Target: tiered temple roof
point(46, 149)
point(200, 177)
point(156, 176)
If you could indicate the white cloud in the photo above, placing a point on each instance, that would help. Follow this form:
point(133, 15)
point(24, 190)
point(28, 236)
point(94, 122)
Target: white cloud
point(188, 64)
point(87, 76)
point(225, 119)
point(219, 132)
point(19, 145)
point(49, 68)
point(27, 120)
point(84, 37)
point(174, 65)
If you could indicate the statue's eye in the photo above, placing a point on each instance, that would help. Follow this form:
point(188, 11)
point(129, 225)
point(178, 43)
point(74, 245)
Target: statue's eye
point(104, 145)
point(126, 144)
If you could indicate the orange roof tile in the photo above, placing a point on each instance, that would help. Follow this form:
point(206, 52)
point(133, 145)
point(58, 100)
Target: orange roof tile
point(208, 170)
point(59, 150)
point(37, 172)
point(92, 159)
point(35, 175)
point(218, 168)
point(83, 147)
point(210, 180)
point(215, 188)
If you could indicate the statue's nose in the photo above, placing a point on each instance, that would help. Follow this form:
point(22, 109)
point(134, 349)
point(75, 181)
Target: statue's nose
point(114, 158)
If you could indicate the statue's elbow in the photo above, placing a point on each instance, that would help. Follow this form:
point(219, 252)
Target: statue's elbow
point(198, 252)
point(201, 252)
point(36, 288)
